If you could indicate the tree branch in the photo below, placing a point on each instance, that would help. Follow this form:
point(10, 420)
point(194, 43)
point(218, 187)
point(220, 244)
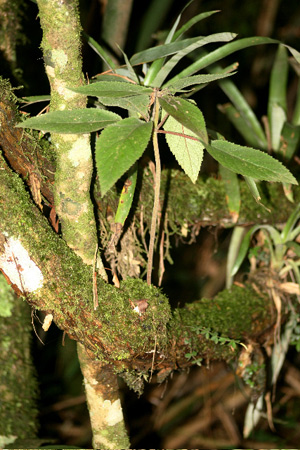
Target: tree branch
point(129, 322)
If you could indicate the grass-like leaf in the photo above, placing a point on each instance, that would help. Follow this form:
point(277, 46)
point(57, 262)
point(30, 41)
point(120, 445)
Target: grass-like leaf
point(242, 123)
point(277, 104)
point(249, 162)
point(160, 51)
point(100, 51)
point(226, 50)
point(197, 79)
point(118, 147)
point(169, 66)
point(185, 27)
point(232, 189)
point(188, 152)
point(72, 122)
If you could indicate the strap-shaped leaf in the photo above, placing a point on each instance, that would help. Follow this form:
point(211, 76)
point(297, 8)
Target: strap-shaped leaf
point(169, 66)
point(100, 51)
point(249, 162)
point(72, 122)
point(185, 113)
point(289, 139)
point(232, 189)
point(226, 50)
point(197, 79)
point(112, 89)
point(188, 152)
point(118, 147)
point(160, 51)
point(185, 27)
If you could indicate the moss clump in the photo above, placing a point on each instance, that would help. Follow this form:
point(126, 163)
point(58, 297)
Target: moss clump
point(125, 330)
point(232, 314)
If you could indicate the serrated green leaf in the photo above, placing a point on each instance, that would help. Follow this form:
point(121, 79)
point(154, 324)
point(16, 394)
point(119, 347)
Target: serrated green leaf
point(118, 147)
point(186, 113)
point(112, 89)
point(197, 79)
point(249, 162)
point(136, 103)
point(188, 152)
point(72, 122)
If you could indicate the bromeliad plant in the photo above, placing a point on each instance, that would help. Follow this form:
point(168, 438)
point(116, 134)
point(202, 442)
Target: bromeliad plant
point(154, 106)
point(283, 250)
point(277, 255)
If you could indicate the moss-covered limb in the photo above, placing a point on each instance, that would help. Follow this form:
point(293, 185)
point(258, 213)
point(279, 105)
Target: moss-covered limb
point(131, 322)
point(239, 314)
point(191, 206)
point(204, 203)
point(102, 396)
point(18, 385)
point(28, 155)
point(61, 48)
point(63, 286)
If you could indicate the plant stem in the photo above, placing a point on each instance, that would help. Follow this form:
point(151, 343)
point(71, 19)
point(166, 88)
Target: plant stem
point(156, 194)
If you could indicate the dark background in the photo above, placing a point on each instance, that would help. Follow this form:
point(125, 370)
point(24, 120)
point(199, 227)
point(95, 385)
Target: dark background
point(202, 408)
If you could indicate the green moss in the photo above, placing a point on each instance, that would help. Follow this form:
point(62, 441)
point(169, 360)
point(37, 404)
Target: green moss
point(233, 314)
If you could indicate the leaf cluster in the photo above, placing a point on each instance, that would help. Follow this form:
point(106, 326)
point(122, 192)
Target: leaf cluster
point(123, 140)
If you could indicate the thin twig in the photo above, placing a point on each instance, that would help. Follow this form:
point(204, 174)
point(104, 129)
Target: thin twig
point(156, 194)
point(175, 133)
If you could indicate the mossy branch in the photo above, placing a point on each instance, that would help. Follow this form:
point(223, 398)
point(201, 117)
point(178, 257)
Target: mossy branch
point(130, 321)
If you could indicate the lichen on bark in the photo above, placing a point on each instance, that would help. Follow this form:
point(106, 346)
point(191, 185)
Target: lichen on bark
point(74, 166)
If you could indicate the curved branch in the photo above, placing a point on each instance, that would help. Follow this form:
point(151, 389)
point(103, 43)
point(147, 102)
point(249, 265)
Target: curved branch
point(130, 322)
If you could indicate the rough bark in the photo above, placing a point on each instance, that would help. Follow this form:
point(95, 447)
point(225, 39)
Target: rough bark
point(74, 166)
